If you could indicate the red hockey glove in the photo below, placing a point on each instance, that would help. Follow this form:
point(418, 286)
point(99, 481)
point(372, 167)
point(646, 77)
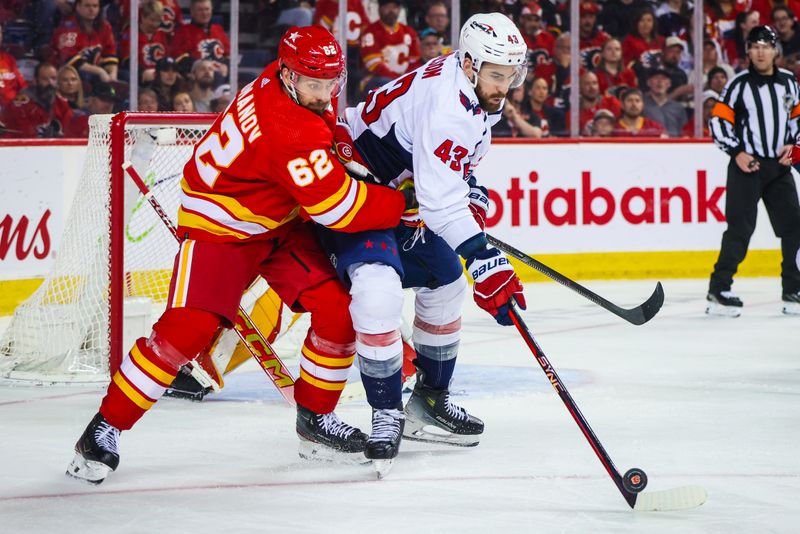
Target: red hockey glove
point(346, 150)
point(479, 204)
point(495, 283)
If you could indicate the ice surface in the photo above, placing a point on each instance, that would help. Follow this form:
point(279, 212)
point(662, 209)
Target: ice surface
point(688, 398)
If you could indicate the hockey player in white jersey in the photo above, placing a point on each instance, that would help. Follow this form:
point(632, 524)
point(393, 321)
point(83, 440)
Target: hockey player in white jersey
point(433, 125)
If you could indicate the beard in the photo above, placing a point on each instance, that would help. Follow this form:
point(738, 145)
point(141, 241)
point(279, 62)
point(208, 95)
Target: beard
point(46, 93)
point(485, 100)
point(205, 84)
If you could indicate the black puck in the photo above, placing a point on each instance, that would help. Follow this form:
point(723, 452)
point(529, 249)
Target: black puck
point(634, 480)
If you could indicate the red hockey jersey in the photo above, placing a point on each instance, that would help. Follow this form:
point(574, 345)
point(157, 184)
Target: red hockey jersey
point(540, 48)
point(170, 20)
point(28, 117)
point(11, 80)
point(389, 51)
point(264, 161)
point(151, 48)
point(75, 47)
point(200, 42)
point(327, 11)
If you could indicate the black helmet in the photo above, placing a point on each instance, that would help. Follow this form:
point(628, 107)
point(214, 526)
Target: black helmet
point(763, 35)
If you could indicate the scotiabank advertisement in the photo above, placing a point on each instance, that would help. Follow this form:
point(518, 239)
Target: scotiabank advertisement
point(610, 197)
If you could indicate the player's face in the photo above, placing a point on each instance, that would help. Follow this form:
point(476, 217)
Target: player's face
point(762, 56)
point(494, 82)
point(315, 93)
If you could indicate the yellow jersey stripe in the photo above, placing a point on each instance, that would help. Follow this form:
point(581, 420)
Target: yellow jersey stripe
point(362, 197)
point(151, 368)
point(322, 384)
point(192, 220)
point(335, 198)
point(131, 393)
point(231, 206)
point(327, 361)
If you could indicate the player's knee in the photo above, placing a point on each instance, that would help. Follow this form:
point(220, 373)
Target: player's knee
point(380, 355)
point(377, 294)
point(441, 305)
point(330, 312)
point(181, 333)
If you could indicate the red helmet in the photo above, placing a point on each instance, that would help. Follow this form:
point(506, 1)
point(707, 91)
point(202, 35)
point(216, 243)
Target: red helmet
point(311, 51)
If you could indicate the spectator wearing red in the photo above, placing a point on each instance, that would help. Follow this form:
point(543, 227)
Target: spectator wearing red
point(733, 44)
point(514, 123)
point(766, 7)
point(643, 42)
point(153, 41)
point(615, 18)
point(87, 42)
point(591, 37)
point(556, 73)
point(327, 11)
point(101, 101)
point(632, 123)
point(551, 120)
point(602, 124)
point(611, 72)
point(388, 47)
point(591, 100)
point(70, 87)
point(430, 45)
point(171, 17)
point(721, 16)
point(37, 111)
point(201, 39)
point(541, 43)
point(11, 80)
point(709, 99)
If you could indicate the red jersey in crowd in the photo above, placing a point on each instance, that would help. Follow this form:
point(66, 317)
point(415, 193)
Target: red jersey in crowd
point(389, 51)
point(540, 48)
point(327, 11)
point(232, 194)
point(170, 20)
point(637, 49)
point(11, 80)
point(645, 128)
point(610, 83)
point(74, 47)
point(198, 42)
point(151, 48)
point(28, 116)
point(587, 114)
point(590, 49)
point(688, 131)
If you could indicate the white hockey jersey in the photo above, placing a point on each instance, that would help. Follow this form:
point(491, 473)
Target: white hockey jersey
point(427, 125)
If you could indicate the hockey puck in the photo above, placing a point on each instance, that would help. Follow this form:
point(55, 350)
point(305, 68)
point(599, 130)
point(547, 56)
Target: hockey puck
point(634, 480)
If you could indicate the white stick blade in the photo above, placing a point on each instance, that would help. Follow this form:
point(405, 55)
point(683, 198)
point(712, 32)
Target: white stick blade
point(681, 498)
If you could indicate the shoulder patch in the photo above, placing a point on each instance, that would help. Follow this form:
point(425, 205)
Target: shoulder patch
point(468, 104)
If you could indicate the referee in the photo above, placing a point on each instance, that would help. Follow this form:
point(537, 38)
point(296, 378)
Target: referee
point(755, 121)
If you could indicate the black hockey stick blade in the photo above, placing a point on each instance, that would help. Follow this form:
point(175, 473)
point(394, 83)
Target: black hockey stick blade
point(638, 315)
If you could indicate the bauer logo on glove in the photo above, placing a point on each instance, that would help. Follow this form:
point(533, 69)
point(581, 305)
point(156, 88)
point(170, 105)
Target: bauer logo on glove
point(495, 283)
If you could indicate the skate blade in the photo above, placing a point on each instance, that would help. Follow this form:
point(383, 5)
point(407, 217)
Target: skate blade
point(382, 467)
point(717, 310)
point(316, 452)
point(87, 471)
point(434, 434)
point(791, 308)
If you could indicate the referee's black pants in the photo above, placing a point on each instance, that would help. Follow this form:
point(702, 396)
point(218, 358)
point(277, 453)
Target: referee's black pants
point(775, 184)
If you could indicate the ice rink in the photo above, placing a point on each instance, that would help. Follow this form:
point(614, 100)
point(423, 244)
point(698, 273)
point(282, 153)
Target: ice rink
point(688, 398)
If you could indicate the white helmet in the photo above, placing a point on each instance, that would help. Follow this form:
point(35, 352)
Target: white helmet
point(493, 38)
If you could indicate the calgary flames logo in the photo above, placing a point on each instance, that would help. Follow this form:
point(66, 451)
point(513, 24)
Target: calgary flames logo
point(211, 49)
point(151, 53)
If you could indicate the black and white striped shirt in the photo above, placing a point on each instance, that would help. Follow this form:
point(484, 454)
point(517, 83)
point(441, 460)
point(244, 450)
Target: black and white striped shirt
point(757, 114)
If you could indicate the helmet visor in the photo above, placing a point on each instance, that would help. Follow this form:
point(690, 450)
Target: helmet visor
point(320, 88)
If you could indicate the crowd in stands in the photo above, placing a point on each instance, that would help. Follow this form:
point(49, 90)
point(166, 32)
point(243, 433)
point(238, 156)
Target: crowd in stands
point(637, 67)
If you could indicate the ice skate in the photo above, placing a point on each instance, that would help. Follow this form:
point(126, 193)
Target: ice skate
point(723, 304)
point(383, 444)
point(185, 386)
point(96, 453)
point(791, 303)
point(324, 437)
point(432, 418)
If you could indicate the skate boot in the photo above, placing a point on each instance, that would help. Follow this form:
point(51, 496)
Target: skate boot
point(325, 437)
point(96, 453)
point(384, 442)
point(791, 303)
point(723, 304)
point(185, 386)
point(431, 417)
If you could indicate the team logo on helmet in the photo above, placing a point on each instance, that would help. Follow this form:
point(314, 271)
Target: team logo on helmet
point(485, 28)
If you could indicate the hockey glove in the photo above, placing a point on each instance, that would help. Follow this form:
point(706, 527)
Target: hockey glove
point(479, 204)
point(495, 283)
point(347, 153)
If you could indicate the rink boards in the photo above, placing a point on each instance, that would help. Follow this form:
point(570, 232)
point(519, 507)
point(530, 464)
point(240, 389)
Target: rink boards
point(593, 210)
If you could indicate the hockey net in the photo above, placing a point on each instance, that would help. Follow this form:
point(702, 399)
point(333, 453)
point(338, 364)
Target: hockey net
point(111, 276)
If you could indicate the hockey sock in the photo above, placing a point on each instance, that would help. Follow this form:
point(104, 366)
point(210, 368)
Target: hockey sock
point(324, 367)
point(380, 358)
point(437, 364)
point(383, 393)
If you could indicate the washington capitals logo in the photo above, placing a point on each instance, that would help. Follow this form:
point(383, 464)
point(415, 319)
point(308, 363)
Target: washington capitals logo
point(485, 28)
point(468, 104)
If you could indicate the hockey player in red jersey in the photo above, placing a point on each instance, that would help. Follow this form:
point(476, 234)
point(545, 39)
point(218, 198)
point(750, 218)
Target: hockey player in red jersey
point(264, 161)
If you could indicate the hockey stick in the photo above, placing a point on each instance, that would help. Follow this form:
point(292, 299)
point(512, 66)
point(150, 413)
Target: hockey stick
point(245, 328)
point(634, 480)
point(638, 315)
